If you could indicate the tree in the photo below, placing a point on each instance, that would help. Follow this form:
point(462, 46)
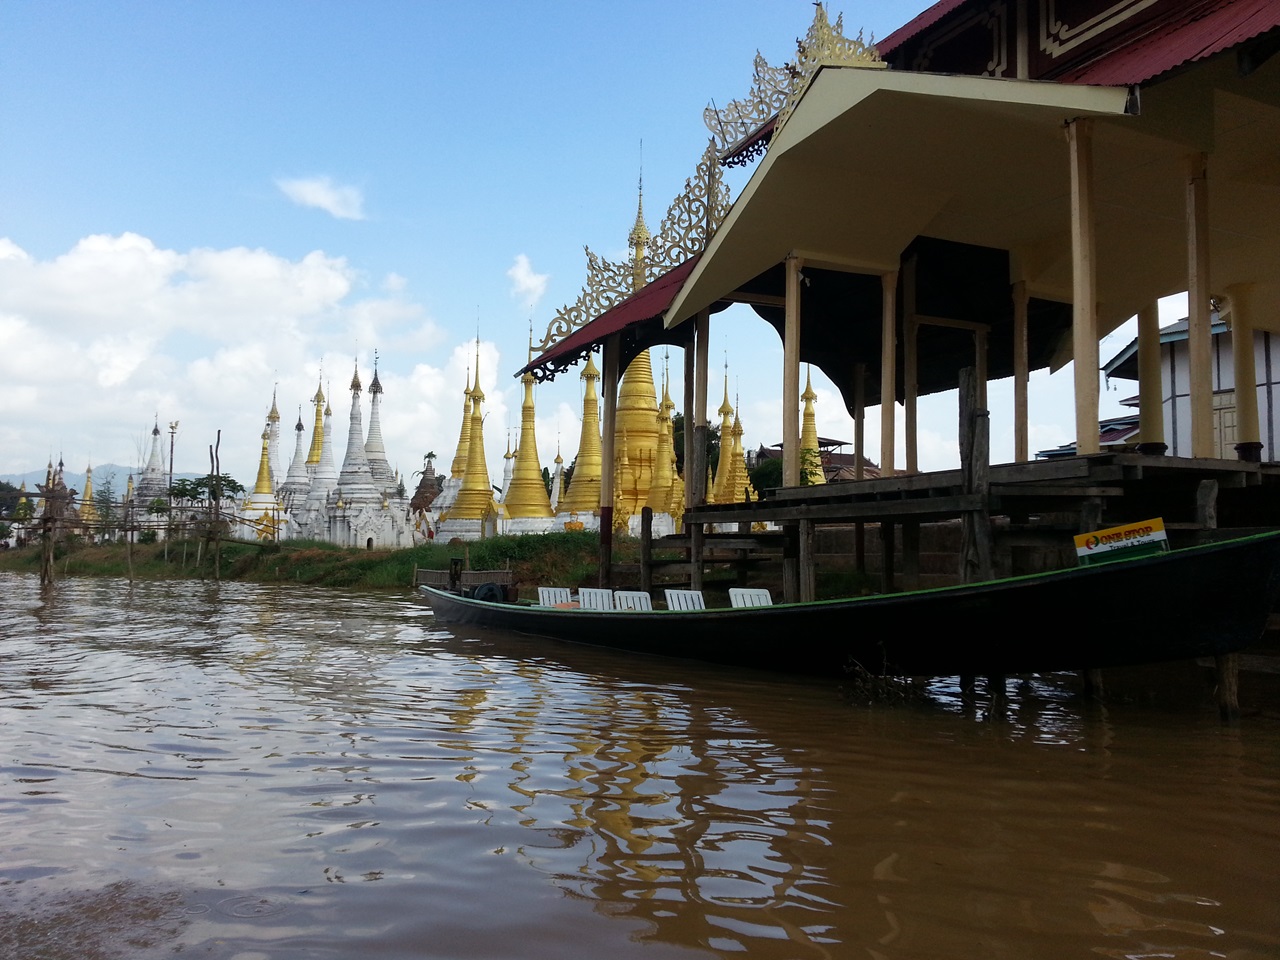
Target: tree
point(767, 474)
point(810, 467)
point(104, 501)
point(677, 440)
point(217, 487)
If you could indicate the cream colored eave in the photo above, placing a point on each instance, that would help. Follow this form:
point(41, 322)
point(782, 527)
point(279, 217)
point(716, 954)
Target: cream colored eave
point(870, 159)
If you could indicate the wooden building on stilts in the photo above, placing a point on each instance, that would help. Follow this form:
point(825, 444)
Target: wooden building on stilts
point(992, 188)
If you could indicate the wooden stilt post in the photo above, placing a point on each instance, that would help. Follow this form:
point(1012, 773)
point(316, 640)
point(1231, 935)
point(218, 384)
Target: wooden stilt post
point(888, 367)
point(806, 571)
point(886, 553)
point(608, 473)
point(1021, 375)
point(646, 549)
point(911, 555)
point(1150, 387)
point(791, 563)
point(1227, 666)
point(1245, 369)
point(975, 525)
point(1199, 333)
point(1084, 288)
point(696, 548)
point(1092, 683)
point(791, 378)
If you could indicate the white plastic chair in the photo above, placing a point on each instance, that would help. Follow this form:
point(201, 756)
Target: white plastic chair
point(595, 598)
point(750, 597)
point(553, 596)
point(685, 600)
point(632, 600)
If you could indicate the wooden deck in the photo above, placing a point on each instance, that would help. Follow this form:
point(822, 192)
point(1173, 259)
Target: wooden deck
point(1035, 505)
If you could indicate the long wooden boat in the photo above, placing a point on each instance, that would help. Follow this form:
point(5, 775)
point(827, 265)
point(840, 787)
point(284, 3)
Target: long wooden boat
point(1198, 601)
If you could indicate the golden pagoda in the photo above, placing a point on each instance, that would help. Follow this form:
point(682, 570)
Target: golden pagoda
point(811, 472)
point(738, 488)
point(475, 496)
point(660, 487)
point(637, 411)
point(459, 466)
point(88, 512)
point(719, 491)
point(583, 495)
point(317, 432)
point(527, 495)
point(263, 483)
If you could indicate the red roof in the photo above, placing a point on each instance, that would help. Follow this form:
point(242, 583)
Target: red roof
point(921, 23)
point(1184, 33)
point(1207, 29)
point(645, 304)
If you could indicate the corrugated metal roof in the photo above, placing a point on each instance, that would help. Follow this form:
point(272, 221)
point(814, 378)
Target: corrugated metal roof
point(1202, 31)
point(921, 23)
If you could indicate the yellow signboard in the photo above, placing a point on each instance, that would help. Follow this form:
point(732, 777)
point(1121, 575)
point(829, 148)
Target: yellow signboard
point(1145, 536)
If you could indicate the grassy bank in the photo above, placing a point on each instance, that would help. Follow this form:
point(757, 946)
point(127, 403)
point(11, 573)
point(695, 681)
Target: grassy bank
point(562, 558)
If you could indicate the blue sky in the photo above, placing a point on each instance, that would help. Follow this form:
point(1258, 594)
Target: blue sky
point(202, 201)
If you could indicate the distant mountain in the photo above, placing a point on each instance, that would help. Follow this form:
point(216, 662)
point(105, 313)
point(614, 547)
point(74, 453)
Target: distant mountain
point(75, 480)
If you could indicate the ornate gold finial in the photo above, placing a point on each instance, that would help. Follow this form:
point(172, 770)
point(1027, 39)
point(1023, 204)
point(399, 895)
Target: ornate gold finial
point(775, 91)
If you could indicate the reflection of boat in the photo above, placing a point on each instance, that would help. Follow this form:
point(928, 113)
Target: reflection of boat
point(1198, 601)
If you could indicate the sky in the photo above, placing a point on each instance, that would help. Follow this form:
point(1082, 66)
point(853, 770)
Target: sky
point(201, 203)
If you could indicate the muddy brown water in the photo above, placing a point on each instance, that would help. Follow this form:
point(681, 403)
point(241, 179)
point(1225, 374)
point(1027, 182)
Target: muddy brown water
point(250, 773)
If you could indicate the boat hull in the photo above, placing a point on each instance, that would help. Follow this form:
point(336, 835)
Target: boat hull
point(1201, 601)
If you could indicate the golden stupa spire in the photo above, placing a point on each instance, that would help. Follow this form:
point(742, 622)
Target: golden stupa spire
point(317, 432)
point(637, 410)
point(583, 495)
point(738, 488)
point(722, 490)
point(263, 484)
point(88, 512)
point(527, 496)
point(459, 465)
point(660, 487)
point(475, 496)
point(810, 454)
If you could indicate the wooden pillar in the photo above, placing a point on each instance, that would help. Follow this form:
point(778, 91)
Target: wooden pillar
point(807, 576)
point(886, 555)
point(981, 351)
point(859, 418)
point(1199, 334)
point(1021, 371)
point(695, 479)
point(791, 378)
point(888, 367)
point(859, 455)
point(791, 563)
point(1245, 368)
point(1084, 287)
point(609, 380)
point(1227, 666)
point(690, 424)
point(910, 369)
point(1150, 385)
point(975, 525)
point(911, 555)
point(696, 549)
point(646, 549)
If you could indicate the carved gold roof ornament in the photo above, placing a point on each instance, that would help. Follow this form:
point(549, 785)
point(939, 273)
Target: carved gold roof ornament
point(739, 129)
point(690, 222)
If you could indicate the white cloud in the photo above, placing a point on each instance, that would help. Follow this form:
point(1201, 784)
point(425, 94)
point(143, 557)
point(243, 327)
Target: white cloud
point(526, 286)
point(343, 202)
point(96, 342)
